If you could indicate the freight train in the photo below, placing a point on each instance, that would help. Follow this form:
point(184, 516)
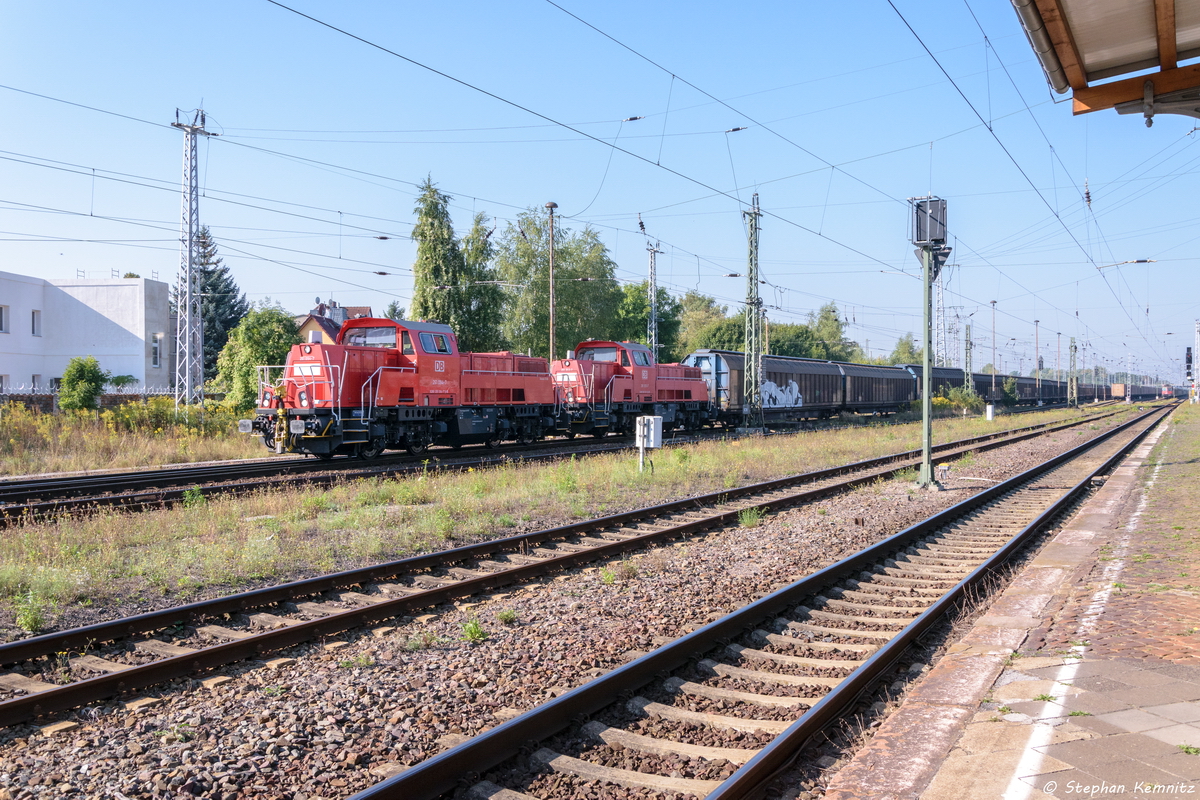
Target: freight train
point(405, 385)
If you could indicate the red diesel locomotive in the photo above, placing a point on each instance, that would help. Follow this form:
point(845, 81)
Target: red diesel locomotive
point(604, 386)
point(392, 385)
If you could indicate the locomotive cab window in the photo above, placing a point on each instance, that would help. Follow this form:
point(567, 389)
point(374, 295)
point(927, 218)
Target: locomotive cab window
point(641, 358)
point(406, 346)
point(624, 358)
point(598, 354)
point(371, 337)
point(434, 343)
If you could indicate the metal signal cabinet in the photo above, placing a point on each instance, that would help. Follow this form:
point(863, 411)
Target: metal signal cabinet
point(604, 385)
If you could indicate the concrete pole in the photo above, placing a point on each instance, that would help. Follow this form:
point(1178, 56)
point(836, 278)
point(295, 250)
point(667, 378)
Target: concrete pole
point(995, 366)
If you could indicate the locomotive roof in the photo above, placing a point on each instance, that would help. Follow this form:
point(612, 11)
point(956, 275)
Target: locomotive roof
point(408, 325)
point(626, 345)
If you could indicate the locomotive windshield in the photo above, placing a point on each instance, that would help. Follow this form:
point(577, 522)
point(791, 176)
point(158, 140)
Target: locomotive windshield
point(433, 343)
point(598, 354)
point(371, 337)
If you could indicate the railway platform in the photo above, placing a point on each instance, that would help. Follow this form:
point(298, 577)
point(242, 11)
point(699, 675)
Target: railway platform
point(1082, 679)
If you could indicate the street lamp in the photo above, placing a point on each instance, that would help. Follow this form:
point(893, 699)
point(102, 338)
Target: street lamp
point(551, 206)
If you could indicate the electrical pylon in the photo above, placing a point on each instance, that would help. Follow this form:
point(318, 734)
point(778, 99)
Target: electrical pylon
point(752, 383)
point(189, 331)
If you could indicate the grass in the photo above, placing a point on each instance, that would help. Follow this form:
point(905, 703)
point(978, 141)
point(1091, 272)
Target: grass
point(226, 544)
point(751, 517)
point(1191, 750)
point(1078, 713)
point(473, 632)
point(135, 434)
point(1045, 698)
point(507, 617)
point(360, 661)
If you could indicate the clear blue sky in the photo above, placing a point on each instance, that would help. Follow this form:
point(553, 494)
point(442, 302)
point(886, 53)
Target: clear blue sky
point(324, 137)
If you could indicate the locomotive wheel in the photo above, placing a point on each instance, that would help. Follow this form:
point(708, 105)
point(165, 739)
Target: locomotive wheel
point(372, 450)
point(492, 444)
point(569, 434)
point(324, 456)
point(416, 448)
point(600, 433)
point(525, 437)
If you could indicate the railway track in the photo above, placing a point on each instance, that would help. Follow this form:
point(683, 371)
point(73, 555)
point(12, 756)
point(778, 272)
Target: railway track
point(721, 711)
point(47, 498)
point(111, 658)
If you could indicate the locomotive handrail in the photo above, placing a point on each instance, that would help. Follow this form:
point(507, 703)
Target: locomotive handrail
point(503, 372)
point(369, 407)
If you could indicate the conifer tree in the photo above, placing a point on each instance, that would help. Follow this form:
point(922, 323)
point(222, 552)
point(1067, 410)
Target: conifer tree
point(222, 304)
point(452, 280)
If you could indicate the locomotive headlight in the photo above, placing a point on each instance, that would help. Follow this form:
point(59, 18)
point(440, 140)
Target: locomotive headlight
point(304, 399)
point(308, 348)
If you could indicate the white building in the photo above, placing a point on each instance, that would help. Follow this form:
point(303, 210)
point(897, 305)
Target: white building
point(124, 322)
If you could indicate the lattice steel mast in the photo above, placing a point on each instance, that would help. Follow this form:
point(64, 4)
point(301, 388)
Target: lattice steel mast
point(752, 385)
point(189, 331)
point(652, 324)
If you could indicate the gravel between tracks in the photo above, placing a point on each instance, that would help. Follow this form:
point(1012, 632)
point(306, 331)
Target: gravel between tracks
point(332, 722)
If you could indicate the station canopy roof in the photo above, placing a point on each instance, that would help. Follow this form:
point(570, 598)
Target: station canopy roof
point(1122, 54)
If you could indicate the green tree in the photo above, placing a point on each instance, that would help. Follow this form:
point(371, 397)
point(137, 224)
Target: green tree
point(222, 304)
point(633, 318)
point(697, 312)
point(1009, 390)
point(394, 311)
point(437, 272)
point(452, 280)
point(906, 351)
point(586, 293)
point(789, 339)
point(987, 369)
point(724, 334)
point(131, 275)
point(82, 383)
point(481, 300)
point(829, 332)
point(263, 337)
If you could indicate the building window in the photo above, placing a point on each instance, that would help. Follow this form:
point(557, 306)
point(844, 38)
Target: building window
point(37, 323)
point(3, 319)
point(3, 384)
point(37, 382)
point(156, 350)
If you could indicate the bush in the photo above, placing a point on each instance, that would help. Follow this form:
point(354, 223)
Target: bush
point(82, 383)
point(1010, 397)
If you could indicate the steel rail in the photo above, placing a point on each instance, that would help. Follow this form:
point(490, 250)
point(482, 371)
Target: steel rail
point(463, 764)
point(751, 779)
point(62, 697)
point(76, 638)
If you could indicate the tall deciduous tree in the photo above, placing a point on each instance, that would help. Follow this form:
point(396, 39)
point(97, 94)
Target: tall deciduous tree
point(906, 351)
point(222, 304)
point(724, 334)
point(789, 339)
point(452, 280)
point(585, 309)
point(830, 333)
point(697, 312)
point(633, 316)
point(264, 336)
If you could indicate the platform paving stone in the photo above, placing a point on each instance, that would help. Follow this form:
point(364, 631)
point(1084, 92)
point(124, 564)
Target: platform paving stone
point(1115, 638)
